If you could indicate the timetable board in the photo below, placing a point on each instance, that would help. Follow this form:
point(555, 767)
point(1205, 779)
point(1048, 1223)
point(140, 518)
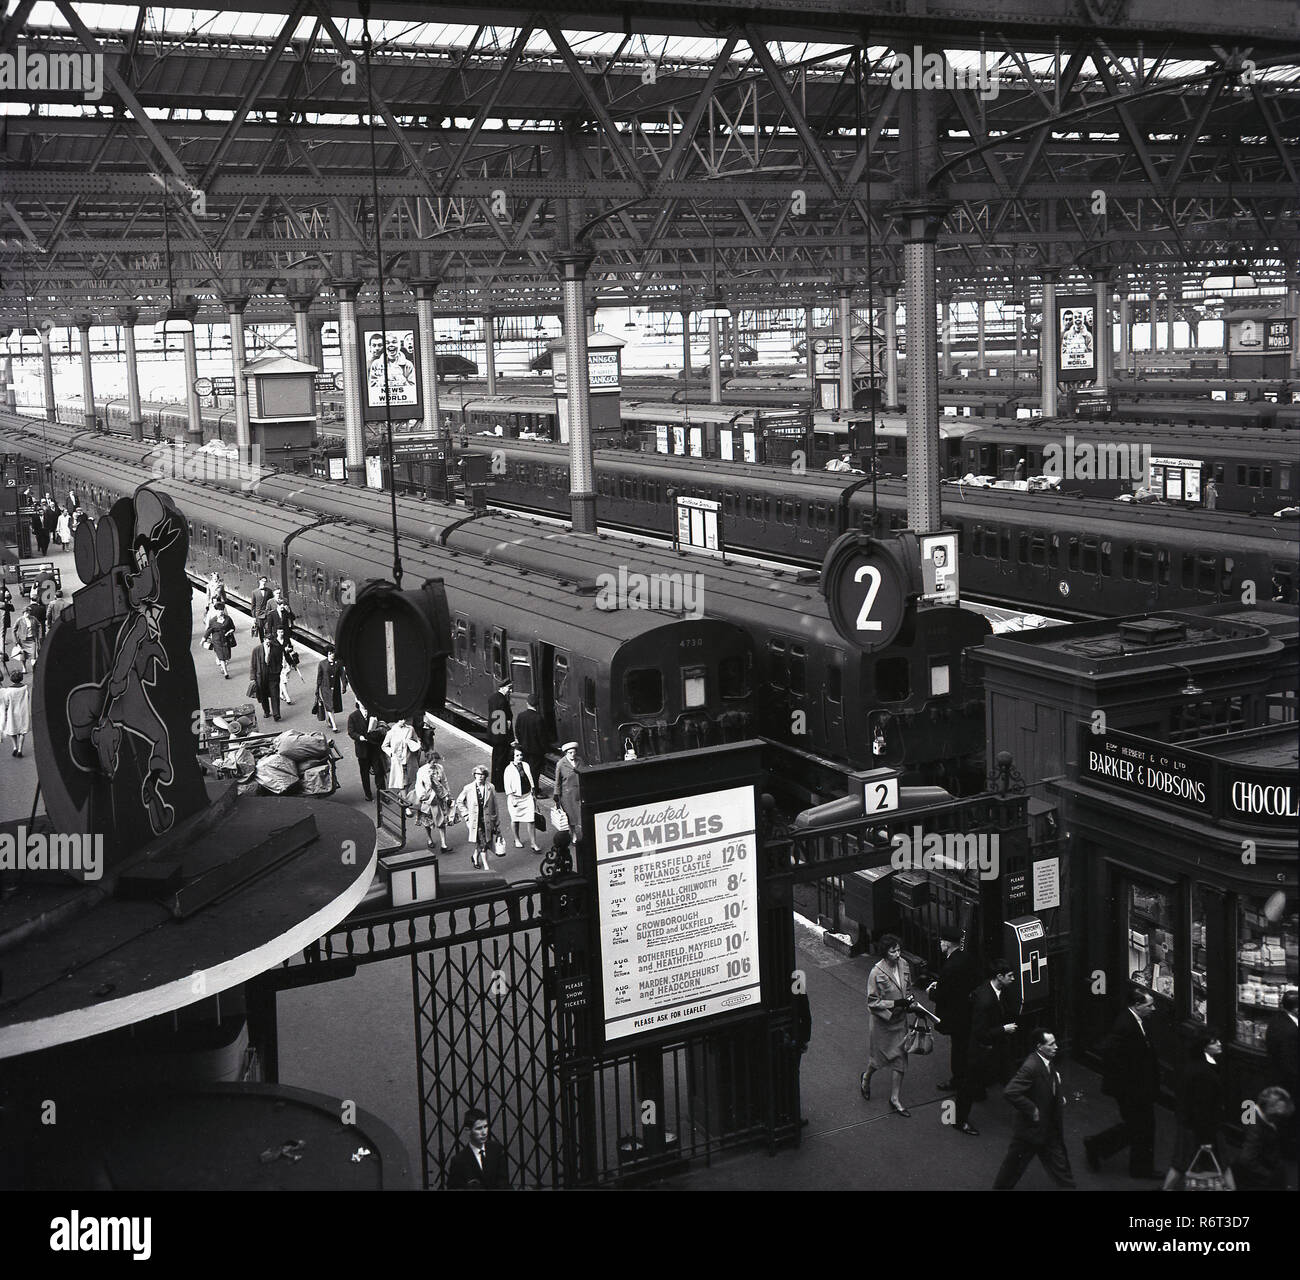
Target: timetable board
point(677, 893)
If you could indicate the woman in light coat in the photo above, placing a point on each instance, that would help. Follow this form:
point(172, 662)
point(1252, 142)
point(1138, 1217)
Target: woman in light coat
point(889, 994)
point(568, 792)
point(402, 747)
point(521, 793)
point(16, 710)
point(433, 806)
point(477, 804)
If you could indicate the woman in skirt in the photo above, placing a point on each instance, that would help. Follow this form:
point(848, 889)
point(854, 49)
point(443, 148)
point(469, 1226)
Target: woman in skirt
point(521, 792)
point(1198, 1104)
point(220, 638)
point(888, 997)
point(433, 804)
point(331, 685)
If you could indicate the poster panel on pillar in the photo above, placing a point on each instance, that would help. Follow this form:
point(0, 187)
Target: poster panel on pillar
point(1077, 347)
point(1255, 336)
point(396, 348)
point(939, 568)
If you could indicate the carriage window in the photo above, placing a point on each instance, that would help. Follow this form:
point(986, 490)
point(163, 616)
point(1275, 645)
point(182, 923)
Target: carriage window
point(1105, 558)
point(1145, 564)
point(1163, 564)
point(834, 682)
point(798, 670)
point(643, 691)
point(1090, 555)
point(561, 678)
point(1219, 472)
point(893, 679)
point(1054, 551)
point(693, 684)
point(1038, 550)
point(780, 676)
point(1207, 574)
point(733, 676)
point(270, 561)
point(1022, 548)
point(498, 658)
point(1268, 477)
point(1254, 477)
point(221, 547)
point(1127, 563)
point(1226, 581)
point(234, 551)
point(1004, 544)
point(1284, 481)
point(1241, 475)
point(319, 584)
point(521, 674)
point(252, 558)
point(459, 644)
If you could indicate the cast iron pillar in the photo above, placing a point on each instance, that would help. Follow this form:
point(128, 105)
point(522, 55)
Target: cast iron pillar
point(920, 225)
point(845, 317)
point(891, 344)
point(715, 363)
point(489, 351)
point(1049, 343)
point(193, 410)
point(47, 359)
point(127, 317)
point(686, 348)
point(87, 378)
point(582, 467)
point(425, 293)
point(354, 435)
point(243, 428)
point(1102, 339)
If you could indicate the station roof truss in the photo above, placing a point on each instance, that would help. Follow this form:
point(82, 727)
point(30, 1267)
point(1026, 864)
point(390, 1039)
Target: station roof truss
point(690, 147)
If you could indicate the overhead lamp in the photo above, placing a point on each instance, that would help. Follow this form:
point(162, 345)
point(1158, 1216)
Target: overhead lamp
point(176, 320)
point(1191, 689)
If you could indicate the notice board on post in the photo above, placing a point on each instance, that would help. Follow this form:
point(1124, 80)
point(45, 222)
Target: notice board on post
point(671, 844)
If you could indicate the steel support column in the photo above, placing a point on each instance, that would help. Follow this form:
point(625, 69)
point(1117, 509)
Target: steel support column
point(891, 345)
point(51, 413)
point(1125, 328)
point(846, 351)
point(425, 293)
point(1293, 306)
point(1102, 341)
point(946, 331)
point(1048, 344)
point(127, 317)
point(809, 356)
point(582, 467)
point(193, 410)
point(920, 225)
point(243, 428)
point(735, 342)
point(354, 436)
point(489, 351)
point(979, 335)
point(301, 302)
point(686, 348)
point(87, 377)
point(715, 363)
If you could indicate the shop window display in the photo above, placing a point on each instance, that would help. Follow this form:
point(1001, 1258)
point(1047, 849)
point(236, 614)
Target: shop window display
point(1200, 955)
point(1151, 939)
point(1267, 967)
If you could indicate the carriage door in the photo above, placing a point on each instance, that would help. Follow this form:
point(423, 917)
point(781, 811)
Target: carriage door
point(590, 734)
point(543, 657)
point(833, 700)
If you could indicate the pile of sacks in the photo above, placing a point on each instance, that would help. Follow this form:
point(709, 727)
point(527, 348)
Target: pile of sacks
point(299, 759)
point(297, 762)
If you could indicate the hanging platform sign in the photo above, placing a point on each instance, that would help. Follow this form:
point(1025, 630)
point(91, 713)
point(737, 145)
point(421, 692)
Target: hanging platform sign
point(870, 584)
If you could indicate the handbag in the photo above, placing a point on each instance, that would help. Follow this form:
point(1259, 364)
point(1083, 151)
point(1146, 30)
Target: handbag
point(919, 1038)
point(1210, 1177)
point(559, 819)
point(251, 692)
point(539, 821)
point(499, 845)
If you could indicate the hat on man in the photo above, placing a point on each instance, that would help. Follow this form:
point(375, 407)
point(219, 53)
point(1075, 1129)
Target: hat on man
point(569, 746)
point(949, 934)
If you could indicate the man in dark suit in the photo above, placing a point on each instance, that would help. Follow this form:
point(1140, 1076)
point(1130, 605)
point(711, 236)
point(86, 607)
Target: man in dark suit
point(264, 674)
point(1130, 1075)
point(1280, 1043)
point(1038, 1095)
point(530, 733)
point(370, 759)
point(500, 733)
point(259, 600)
point(958, 977)
point(479, 1165)
point(991, 1026)
point(278, 616)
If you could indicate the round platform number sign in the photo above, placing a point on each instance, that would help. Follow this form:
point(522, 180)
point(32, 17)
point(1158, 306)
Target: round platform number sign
point(869, 588)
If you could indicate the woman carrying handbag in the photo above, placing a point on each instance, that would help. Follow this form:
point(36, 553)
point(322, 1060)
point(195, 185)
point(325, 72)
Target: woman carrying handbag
point(1198, 1108)
point(888, 1000)
point(477, 804)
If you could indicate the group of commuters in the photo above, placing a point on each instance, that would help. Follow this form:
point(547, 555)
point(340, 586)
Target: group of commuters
point(52, 523)
point(401, 758)
point(979, 1012)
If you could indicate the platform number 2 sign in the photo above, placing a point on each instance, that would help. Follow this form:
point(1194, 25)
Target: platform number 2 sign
point(880, 795)
point(865, 621)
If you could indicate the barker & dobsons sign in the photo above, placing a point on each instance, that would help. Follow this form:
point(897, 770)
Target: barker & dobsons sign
point(1192, 781)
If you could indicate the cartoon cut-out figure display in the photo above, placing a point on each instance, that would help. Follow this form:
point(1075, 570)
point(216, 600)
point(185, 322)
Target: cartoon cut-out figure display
point(100, 715)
